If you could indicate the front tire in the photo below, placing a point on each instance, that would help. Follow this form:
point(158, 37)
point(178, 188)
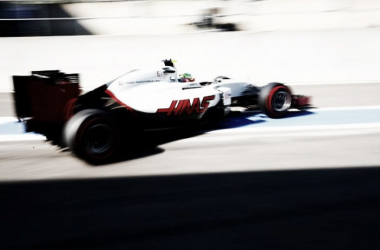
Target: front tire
point(92, 135)
point(275, 99)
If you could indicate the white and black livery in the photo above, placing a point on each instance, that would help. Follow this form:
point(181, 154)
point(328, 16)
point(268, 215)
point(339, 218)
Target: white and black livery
point(93, 125)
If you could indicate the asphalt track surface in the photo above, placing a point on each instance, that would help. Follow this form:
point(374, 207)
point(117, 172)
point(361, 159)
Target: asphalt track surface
point(309, 181)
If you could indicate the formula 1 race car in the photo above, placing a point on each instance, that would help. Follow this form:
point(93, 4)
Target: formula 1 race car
point(93, 125)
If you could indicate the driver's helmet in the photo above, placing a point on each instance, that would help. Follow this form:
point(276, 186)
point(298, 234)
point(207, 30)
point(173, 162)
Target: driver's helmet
point(185, 77)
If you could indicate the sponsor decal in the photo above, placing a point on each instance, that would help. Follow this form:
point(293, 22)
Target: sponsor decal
point(134, 82)
point(179, 107)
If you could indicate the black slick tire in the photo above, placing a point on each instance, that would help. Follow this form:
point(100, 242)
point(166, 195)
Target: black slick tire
point(92, 135)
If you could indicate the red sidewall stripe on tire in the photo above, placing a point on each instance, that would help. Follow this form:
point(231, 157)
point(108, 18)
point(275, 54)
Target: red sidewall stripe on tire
point(271, 93)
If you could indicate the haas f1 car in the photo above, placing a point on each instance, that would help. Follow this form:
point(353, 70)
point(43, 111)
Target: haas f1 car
point(93, 125)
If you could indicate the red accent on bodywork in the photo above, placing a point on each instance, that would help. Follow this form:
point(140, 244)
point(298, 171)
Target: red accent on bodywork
point(195, 107)
point(169, 110)
point(185, 106)
point(179, 107)
point(205, 102)
point(118, 101)
point(300, 101)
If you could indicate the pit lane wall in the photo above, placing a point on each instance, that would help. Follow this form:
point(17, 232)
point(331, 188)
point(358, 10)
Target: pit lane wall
point(330, 51)
point(173, 17)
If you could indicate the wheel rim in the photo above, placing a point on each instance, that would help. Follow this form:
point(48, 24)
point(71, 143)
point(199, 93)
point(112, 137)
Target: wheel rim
point(281, 101)
point(100, 139)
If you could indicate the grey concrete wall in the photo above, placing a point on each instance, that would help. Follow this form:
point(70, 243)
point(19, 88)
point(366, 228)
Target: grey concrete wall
point(143, 33)
point(173, 17)
point(351, 55)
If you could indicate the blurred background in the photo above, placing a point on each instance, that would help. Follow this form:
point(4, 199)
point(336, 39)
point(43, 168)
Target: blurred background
point(308, 181)
point(102, 17)
point(288, 41)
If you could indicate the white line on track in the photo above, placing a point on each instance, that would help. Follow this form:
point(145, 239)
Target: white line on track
point(7, 119)
point(333, 83)
point(22, 137)
point(299, 128)
point(254, 134)
point(346, 108)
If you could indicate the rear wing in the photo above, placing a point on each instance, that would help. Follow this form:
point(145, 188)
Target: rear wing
point(43, 95)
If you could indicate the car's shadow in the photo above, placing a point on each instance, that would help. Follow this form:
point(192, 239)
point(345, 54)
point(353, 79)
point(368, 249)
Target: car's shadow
point(320, 209)
point(148, 142)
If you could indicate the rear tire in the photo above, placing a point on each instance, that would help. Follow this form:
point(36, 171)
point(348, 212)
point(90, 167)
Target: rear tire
point(275, 99)
point(92, 135)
